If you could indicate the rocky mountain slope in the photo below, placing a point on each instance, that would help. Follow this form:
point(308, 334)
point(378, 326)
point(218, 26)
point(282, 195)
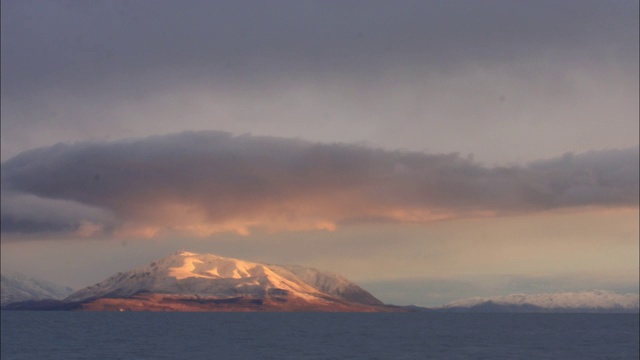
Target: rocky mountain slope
point(186, 281)
point(17, 287)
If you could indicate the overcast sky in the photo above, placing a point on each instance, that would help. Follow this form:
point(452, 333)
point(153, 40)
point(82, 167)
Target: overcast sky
point(427, 149)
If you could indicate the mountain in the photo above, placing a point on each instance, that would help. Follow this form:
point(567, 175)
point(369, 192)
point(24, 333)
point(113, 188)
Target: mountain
point(17, 287)
point(329, 283)
point(584, 301)
point(186, 281)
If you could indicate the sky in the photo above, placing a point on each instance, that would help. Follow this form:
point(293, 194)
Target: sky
point(427, 150)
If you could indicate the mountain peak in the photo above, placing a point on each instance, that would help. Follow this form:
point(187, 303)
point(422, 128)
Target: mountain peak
point(17, 287)
point(189, 274)
point(186, 253)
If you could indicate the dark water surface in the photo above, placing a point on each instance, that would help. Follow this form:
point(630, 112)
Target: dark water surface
point(129, 335)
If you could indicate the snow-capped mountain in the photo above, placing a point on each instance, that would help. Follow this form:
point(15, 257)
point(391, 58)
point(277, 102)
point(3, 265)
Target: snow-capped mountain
point(583, 301)
point(208, 282)
point(16, 287)
point(329, 283)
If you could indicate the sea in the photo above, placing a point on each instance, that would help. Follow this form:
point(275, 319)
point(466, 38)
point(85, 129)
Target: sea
point(150, 335)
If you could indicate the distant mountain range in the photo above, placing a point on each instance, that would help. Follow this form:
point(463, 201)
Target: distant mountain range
point(584, 301)
point(187, 281)
point(16, 287)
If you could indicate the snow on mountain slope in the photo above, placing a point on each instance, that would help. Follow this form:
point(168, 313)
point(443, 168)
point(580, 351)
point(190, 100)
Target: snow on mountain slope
point(187, 273)
point(18, 287)
point(584, 300)
point(329, 283)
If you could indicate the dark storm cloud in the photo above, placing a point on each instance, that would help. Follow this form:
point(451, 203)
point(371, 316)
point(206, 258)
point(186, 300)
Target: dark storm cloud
point(29, 214)
point(72, 45)
point(450, 74)
point(209, 182)
point(11, 224)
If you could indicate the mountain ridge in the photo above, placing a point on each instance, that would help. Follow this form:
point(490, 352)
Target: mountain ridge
point(16, 287)
point(187, 281)
point(578, 301)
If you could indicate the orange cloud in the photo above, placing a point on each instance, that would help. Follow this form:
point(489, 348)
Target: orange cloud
point(211, 182)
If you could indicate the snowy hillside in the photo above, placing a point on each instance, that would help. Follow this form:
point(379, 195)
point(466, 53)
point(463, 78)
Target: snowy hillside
point(17, 287)
point(187, 273)
point(596, 300)
point(329, 283)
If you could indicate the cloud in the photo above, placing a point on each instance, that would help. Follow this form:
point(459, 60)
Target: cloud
point(450, 75)
point(28, 214)
point(76, 45)
point(208, 182)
